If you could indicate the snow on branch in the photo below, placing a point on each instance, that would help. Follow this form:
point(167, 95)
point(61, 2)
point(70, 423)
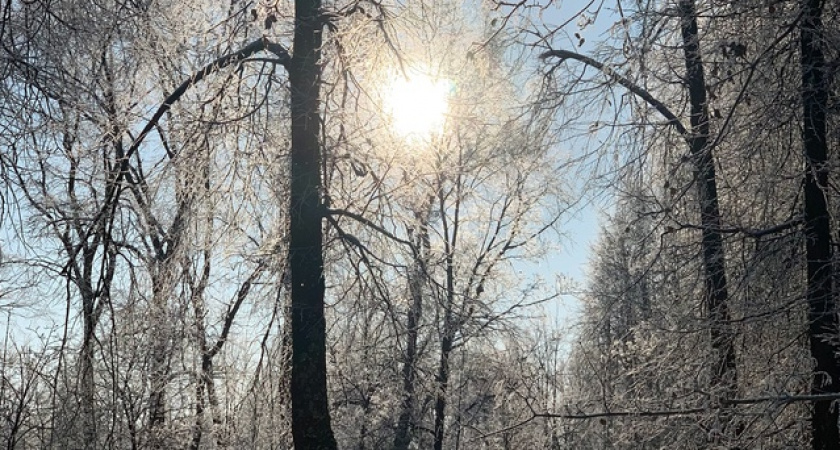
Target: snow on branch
point(624, 81)
point(257, 46)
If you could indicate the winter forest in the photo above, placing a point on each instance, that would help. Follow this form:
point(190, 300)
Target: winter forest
point(310, 224)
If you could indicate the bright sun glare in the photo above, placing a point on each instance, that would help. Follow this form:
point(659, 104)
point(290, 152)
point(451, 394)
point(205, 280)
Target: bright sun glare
point(417, 106)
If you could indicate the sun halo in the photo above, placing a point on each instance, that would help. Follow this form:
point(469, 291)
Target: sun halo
point(417, 105)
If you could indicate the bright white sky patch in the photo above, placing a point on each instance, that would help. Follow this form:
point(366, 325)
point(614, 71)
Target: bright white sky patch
point(417, 106)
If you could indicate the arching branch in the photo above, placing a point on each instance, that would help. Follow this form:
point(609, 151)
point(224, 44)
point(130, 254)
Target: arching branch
point(624, 81)
point(231, 58)
point(113, 195)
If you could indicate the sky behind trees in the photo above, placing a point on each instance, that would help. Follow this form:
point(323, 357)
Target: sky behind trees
point(431, 224)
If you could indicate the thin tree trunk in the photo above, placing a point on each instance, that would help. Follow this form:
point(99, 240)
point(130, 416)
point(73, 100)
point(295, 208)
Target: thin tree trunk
point(198, 429)
point(402, 440)
point(87, 377)
point(310, 413)
point(416, 278)
point(442, 386)
point(205, 385)
point(207, 374)
point(92, 305)
point(161, 335)
point(822, 314)
point(448, 338)
point(159, 365)
point(724, 371)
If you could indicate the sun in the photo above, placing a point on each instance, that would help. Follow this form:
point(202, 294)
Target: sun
point(417, 105)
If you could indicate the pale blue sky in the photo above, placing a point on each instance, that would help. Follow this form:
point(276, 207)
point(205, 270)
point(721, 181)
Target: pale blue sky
point(582, 227)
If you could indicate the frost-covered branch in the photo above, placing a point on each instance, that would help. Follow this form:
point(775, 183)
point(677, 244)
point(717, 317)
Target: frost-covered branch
point(624, 81)
point(231, 58)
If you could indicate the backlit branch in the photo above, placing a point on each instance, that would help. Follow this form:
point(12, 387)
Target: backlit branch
point(231, 58)
point(624, 81)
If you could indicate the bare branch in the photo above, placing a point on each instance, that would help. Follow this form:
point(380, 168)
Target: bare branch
point(220, 63)
point(624, 81)
point(368, 222)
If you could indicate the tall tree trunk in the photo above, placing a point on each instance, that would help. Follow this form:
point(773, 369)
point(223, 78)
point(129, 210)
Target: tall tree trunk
point(159, 361)
point(93, 302)
point(443, 380)
point(160, 327)
point(88, 387)
point(416, 278)
point(310, 413)
point(205, 384)
point(716, 296)
point(822, 314)
point(448, 338)
point(402, 439)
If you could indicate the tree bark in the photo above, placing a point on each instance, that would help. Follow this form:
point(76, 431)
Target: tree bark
point(159, 353)
point(310, 413)
point(443, 382)
point(417, 275)
point(87, 376)
point(724, 370)
point(822, 313)
point(449, 326)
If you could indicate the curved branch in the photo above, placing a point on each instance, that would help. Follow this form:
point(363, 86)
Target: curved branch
point(220, 63)
point(624, 81)
point(112, 196)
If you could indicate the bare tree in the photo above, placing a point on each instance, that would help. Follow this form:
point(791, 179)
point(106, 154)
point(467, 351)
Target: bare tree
point(697, 137)
point(822, 303)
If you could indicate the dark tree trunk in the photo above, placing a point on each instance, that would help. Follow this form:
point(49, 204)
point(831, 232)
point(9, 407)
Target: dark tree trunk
point(310, 413)
point(416, 278)
point(205, 384)
point(87, 376)
point(822, 314)
point(159, 361)
point(450, 235)
point(402, 440)
point(445, 344)
point(92, 305)
point(442, 386)
point(716, 296)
